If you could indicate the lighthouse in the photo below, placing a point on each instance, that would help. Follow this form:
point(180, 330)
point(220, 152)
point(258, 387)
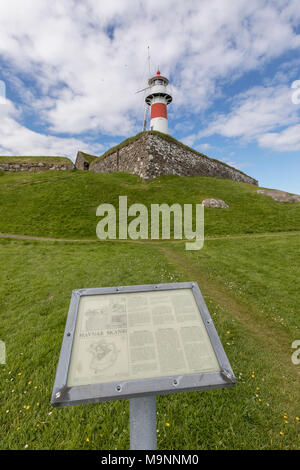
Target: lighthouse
point(158, 98)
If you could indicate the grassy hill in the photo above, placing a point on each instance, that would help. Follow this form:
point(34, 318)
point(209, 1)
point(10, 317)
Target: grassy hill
point(248, 272)
point(64, 204)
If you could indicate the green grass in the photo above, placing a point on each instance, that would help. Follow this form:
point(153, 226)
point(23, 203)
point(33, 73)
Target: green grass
point(249, 278)
point(51, 160)
point(36, 283)
point(64, 204)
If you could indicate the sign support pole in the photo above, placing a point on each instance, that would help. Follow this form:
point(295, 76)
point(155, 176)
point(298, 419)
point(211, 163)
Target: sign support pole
point(142, 412)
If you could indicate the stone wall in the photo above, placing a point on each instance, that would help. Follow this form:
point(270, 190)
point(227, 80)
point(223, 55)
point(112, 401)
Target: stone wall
point(38, 166)
point(152, 155)
point(133, 158)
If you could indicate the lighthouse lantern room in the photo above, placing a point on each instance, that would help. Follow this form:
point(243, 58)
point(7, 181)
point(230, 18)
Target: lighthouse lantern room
point(158, 98)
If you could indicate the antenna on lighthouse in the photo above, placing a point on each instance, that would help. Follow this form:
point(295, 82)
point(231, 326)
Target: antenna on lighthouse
point(146, 112)
point(149, 60)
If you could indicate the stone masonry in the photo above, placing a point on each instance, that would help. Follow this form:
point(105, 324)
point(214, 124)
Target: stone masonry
point(38, 166)
point(152, 155)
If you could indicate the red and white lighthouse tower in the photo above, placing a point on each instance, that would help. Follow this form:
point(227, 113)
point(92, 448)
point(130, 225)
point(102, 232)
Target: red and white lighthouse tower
point(158, 98)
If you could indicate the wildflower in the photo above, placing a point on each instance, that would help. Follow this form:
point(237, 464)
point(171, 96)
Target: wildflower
point(37, 404)
point(262, 379)
point(259, 399)
point(87, 440)
point(26, 446)
point(27, 407)
point(167, 425)
point(286, 422)
point(7, 411)
point(228, 332)
point(297, 418)
point(281, 433)
point(285, 416)
point(257, 388)
point(20, 373)
point(29, 383)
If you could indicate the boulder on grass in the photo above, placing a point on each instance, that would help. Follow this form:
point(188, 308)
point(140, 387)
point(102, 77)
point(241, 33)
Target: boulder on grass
point(279, 196)
point(218, 203)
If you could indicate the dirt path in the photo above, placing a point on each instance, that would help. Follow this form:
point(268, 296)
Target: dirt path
point(269, 336)
point(83, 240)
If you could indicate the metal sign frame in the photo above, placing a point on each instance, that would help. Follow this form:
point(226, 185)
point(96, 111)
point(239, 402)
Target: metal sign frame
point(63, 395)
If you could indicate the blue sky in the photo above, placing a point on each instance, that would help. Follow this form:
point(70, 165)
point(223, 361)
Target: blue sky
point(71, 70)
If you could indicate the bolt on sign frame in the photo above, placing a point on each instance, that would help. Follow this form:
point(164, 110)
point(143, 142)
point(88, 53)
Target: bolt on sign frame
point(82, 344)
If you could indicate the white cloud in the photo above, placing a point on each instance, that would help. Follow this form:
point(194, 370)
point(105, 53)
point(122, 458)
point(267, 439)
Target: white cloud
point(16, 139)
point(256, 113)
point(77, 65)
point(286, 140)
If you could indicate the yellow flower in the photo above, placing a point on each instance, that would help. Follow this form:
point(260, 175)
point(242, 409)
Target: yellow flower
point(228, 332)
point(87, 440)
point(281, 433)
point(29, 383)
point(257, 388)
point(20, 373)
point(286, 422)
point(263, 379)
point(38, 425)
point(35, 388)
point(37, 404)
point(285, 416)
point(27, 407)
point(259, 399)
point(167, 425)
point(297, 418)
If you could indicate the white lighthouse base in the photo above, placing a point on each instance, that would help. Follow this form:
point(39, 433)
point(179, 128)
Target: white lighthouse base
point(159, 124)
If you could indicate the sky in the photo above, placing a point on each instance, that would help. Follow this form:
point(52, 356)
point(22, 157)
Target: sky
point(70, 69)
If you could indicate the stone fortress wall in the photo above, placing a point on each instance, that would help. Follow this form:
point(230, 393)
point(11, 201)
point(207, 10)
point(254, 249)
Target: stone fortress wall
point(148, 155)
point(35, 164)
point(152, 155)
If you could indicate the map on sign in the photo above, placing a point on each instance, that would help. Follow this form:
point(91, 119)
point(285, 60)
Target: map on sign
point(138, 335)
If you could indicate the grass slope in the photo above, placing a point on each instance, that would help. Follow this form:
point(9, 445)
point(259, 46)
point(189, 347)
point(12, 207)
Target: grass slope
point(249, 278)
point(36, 284)
point(64, 204)
point(51, 160)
